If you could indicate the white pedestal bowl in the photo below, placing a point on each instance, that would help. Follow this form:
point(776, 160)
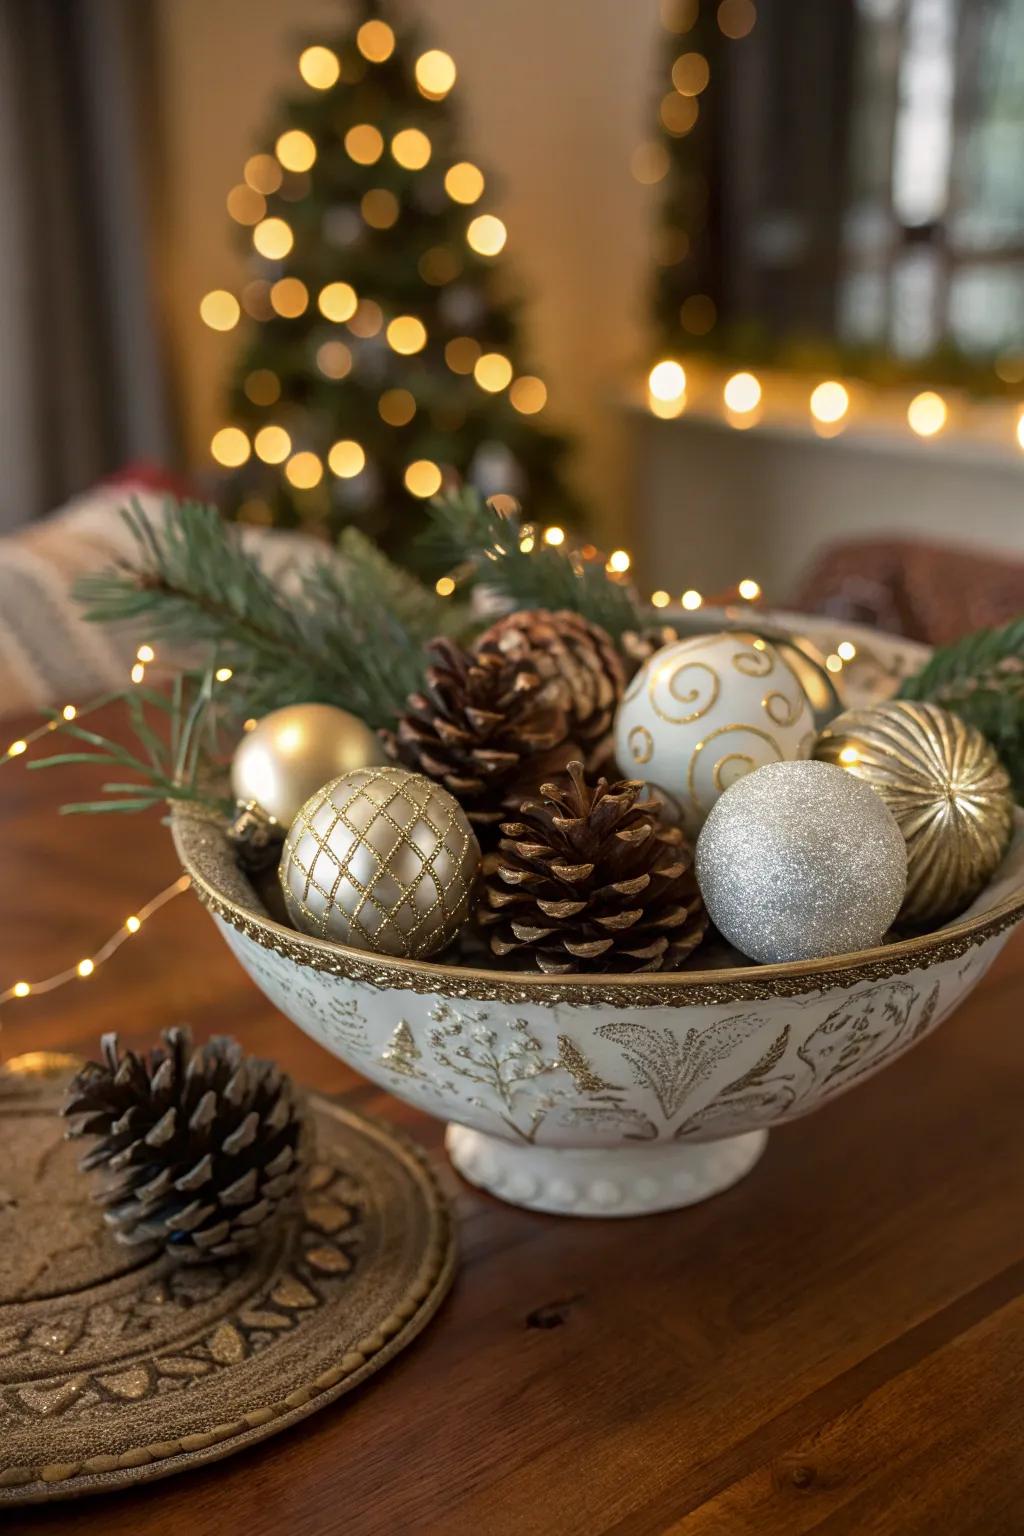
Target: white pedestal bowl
point(610, 1095)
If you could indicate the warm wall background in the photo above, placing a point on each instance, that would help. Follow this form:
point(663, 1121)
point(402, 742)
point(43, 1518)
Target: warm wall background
point(554, 94)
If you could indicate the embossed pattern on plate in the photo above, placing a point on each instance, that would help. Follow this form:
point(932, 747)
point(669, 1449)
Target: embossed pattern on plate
point(114, 1370)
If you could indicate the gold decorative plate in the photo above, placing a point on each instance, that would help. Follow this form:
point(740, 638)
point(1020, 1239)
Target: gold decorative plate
point(116, 1370)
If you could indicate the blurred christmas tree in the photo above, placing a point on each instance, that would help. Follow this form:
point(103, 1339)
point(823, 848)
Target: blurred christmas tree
point(382, 357)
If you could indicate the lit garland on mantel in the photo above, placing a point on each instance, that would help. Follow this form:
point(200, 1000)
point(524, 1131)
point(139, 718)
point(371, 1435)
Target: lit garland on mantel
point(828, 404)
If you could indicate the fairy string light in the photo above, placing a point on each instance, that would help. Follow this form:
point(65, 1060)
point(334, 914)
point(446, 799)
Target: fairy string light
point(89, 964)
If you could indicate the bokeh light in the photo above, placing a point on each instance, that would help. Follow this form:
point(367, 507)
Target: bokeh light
point(304, 470)
point(618, 561)
point(528, 395)
point(272, 444)
point(667, 380)
point(736, 18)
point(423, 478)
point(397, 407)
point(273, 238)
point(435, 73)
point(379, 208)
point(364, 144)
point(346, 459)
point(337, 301)
point(927, 413)
point(368, 319)
point(289, 298)
point(464, 182)
point(230, 447)
point(486, 234)
point(749, 590)
point(691, 600)
point(245, 205)
point(554, 536)
point(263, 174)
point(375, 41)
point(742, 393)
point(411, 148)
point(219, 310)
point(334, 359)
point(262, 386)
point(829, 401)
point(493, 372)
point(295, 150)
point(406, 335)
point(678, 113)
point(319, 67)
point(461, 354)
point(648, 163)
point(690, 74)
point(438, 265)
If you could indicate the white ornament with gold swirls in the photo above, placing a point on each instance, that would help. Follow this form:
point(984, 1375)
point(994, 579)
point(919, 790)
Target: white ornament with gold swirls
point(704, 711)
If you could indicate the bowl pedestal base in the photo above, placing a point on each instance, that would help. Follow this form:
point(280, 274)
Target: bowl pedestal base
point(612, 1181)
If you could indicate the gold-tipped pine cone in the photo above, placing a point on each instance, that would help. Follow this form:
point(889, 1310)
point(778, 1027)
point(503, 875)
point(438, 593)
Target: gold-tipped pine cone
point(947, 789)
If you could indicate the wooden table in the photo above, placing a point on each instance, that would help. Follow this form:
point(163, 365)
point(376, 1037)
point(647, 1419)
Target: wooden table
point(836, 1345)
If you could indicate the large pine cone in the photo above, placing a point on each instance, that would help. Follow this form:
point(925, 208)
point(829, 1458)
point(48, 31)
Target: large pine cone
point(587, 879)
point(578, 662)
point(200, 1150)
point(485, 727)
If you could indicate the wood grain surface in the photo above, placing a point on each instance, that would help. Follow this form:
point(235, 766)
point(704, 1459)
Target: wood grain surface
point(836, 1345)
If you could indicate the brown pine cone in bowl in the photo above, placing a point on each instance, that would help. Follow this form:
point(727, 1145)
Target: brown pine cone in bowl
point(587, 878)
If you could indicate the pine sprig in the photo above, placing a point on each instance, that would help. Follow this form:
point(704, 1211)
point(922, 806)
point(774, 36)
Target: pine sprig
point(981, 679)
point(175, 763)
point(467, 531)
point(353, 637)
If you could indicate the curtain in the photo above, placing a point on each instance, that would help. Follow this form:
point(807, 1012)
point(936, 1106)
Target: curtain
point(82, 382)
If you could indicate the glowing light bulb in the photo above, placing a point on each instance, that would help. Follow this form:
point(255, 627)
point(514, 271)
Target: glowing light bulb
point(749, 590)
point(319, 67)
point(618, 561)
point(411, 148)
point(444, 586)
point(16, 748)
point(230, 447)
point(133, 923)
point(742, 393)
point(295, 150)
point(273, 238)
point(435, 74)
point(224, 674)
point(364, 144)
point(528, 395)
point(1020, 429)
point(346, 459)
point(493, 372)
point(927, 413)
point(22, 988)
point(486, 234)
point(846, 650)
point(667, 380)
point(272, 444)
point(138, 673)
point(829, 401)
point(691, 599)
point(554, 536)
point(337, 301)
point(464, 182)
point(406, 335)
point(220, 310)
point(85, 967)
point(423, 478)
point(834, 663)
point(304, 471)
point(660, 599)
point(145, 654)
point(849, 756)
point(375, 41)
point(69, 711)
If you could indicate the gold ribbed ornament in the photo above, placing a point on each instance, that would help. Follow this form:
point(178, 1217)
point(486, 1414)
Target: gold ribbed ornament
point(946, 788)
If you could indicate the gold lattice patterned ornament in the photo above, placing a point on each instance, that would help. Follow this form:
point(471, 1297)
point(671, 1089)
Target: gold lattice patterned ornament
point(946, 788)
point(381, 859)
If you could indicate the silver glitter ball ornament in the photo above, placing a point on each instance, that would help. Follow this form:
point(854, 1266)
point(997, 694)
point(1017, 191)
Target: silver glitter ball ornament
point(801, 860)
point(383, 860)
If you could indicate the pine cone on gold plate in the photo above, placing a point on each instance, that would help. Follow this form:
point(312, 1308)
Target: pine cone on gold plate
point(578, 662)
point(200, 1149)
point(588, 879)
point(485, 727)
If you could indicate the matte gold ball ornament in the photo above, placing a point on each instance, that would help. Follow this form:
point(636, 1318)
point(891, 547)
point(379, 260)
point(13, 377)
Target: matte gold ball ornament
point(294, 751)
point(947, 789)
point(381, 859)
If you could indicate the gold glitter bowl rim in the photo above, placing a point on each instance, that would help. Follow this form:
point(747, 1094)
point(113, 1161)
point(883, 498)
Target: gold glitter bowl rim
point(208, 858)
